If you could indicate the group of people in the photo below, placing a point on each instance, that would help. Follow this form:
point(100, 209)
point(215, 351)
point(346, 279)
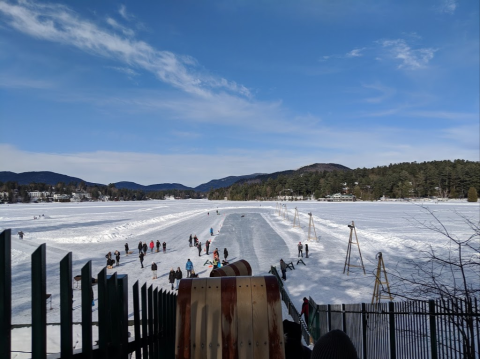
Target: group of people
point(143, 248)
point(283, 265)
point(110, 260)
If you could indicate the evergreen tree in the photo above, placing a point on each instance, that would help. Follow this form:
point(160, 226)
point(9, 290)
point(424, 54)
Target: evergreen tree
point(472, 195)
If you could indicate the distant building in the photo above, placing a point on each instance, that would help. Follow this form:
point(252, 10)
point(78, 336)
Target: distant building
point(339, 197)
point(290, 198)
point(80, 196)
point(61, 197)
point(37, 195)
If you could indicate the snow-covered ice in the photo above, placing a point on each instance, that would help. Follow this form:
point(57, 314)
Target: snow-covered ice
point(90, 230)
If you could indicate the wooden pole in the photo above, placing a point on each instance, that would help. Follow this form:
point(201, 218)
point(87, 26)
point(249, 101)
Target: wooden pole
point(311, 229)
point(377, 289)
point(349, 250)
point(296, 219)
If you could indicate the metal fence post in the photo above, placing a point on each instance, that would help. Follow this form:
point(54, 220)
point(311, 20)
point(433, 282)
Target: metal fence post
point(5, 294)
point(391, 319)
point(39, 307)
point(112, 285)
point(329, 317)
point(344, 319)
point(66, 298)
point(364, 330)
point(144, 321)
point(433, 329)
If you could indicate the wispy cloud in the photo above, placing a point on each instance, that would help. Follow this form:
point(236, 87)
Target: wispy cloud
point(385, 92)
point(22, 83)
point(114, 24)
point(125, 70)
point(122, 10)
point(58, 23)
point(411, 59)
point(447, 6)
point(446, 115)
point(355, 52)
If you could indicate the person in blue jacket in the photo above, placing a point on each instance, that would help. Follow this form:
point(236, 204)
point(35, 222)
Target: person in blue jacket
point(211, 231)
point(189, 267)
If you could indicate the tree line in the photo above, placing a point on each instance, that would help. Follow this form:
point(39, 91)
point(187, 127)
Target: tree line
point(444, 179)
point(17, 192)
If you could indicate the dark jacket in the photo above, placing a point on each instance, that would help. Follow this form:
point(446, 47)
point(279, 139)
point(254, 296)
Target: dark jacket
point(154, 266)
point(140, 245)
point(141, 257)
point(126, 247)
point(158, 244)
point(145, 247)
point(225, 253)
point(171, 276)
point(178, 274)
point(283, 265)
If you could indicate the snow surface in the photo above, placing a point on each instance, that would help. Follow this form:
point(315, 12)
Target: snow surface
point(90, 230)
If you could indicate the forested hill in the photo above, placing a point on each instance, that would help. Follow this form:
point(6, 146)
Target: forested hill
point(447, 179)
point(320, 167)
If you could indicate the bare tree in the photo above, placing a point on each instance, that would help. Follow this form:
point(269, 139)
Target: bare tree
point(452, 276)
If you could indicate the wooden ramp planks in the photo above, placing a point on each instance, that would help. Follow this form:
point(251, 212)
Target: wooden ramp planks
point(229, 318)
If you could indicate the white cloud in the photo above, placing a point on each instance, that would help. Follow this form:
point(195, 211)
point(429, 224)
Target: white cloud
point(411, 59)
point(122, 10)
point(114, 24)
point(355, 52)
point(385, 92)
point(125, 70)
point(447, 6)
point(57, 23)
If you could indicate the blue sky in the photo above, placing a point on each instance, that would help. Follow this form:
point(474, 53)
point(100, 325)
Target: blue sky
point(188, 91)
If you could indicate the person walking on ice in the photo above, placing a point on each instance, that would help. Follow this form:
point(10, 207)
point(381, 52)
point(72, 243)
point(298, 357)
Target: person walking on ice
point(164, 246)
point(171, 277)
point(152, 245)
point(140, 246)
point(188, 268)
point(305, 310)
point(141, 258)
point(211, 231)
point(178, 276)
point(154, 270)
point(117, 257)
point(283, 268)
point(300, 249)
point(306, 250)
point(158, 246)
point(126, 249)
point(199, 246)
point(225, 253)
point(190, 241)
point(207, 246)
point(145, 248)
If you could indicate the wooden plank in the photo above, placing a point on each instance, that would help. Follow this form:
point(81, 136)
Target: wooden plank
point(229, 318)
point(5, 293)
point(66, 319)
point(275, 322)
point(213, 303)
point(183, 333)
point(198, 335)
point(260, 318)
point(39, 311)
point(244, 313)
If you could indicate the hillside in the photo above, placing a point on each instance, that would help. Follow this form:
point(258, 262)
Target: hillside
point(224, 182)
point(153, 187)
point(47, 177)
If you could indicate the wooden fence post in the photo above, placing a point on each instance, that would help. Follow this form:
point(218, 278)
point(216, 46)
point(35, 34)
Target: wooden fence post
point(87, 310)
point(39, 307)
point(66, 298)
point(5, 294)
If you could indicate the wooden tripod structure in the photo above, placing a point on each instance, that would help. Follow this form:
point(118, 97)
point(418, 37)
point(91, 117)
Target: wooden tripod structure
point(296, 219)
point(277, 209)
point(285, 213)
point(312, 233)
point(349, 250)
point(377, 290)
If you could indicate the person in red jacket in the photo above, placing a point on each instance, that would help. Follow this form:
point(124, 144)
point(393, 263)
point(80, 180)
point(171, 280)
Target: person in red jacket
point(305, 310)
point(151, 246)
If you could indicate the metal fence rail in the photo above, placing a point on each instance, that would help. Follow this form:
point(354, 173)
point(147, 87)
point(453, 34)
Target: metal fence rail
point(154, 334)
point(411, 329)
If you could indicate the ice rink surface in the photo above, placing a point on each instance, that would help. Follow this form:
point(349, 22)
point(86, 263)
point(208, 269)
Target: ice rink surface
point(250, 230)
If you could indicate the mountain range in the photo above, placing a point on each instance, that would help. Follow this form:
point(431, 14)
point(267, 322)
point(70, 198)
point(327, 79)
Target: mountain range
point(53, 178)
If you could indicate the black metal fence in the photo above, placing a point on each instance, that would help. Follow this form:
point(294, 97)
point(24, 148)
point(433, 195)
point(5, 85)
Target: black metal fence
point(154, 332)
point(411, 329)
